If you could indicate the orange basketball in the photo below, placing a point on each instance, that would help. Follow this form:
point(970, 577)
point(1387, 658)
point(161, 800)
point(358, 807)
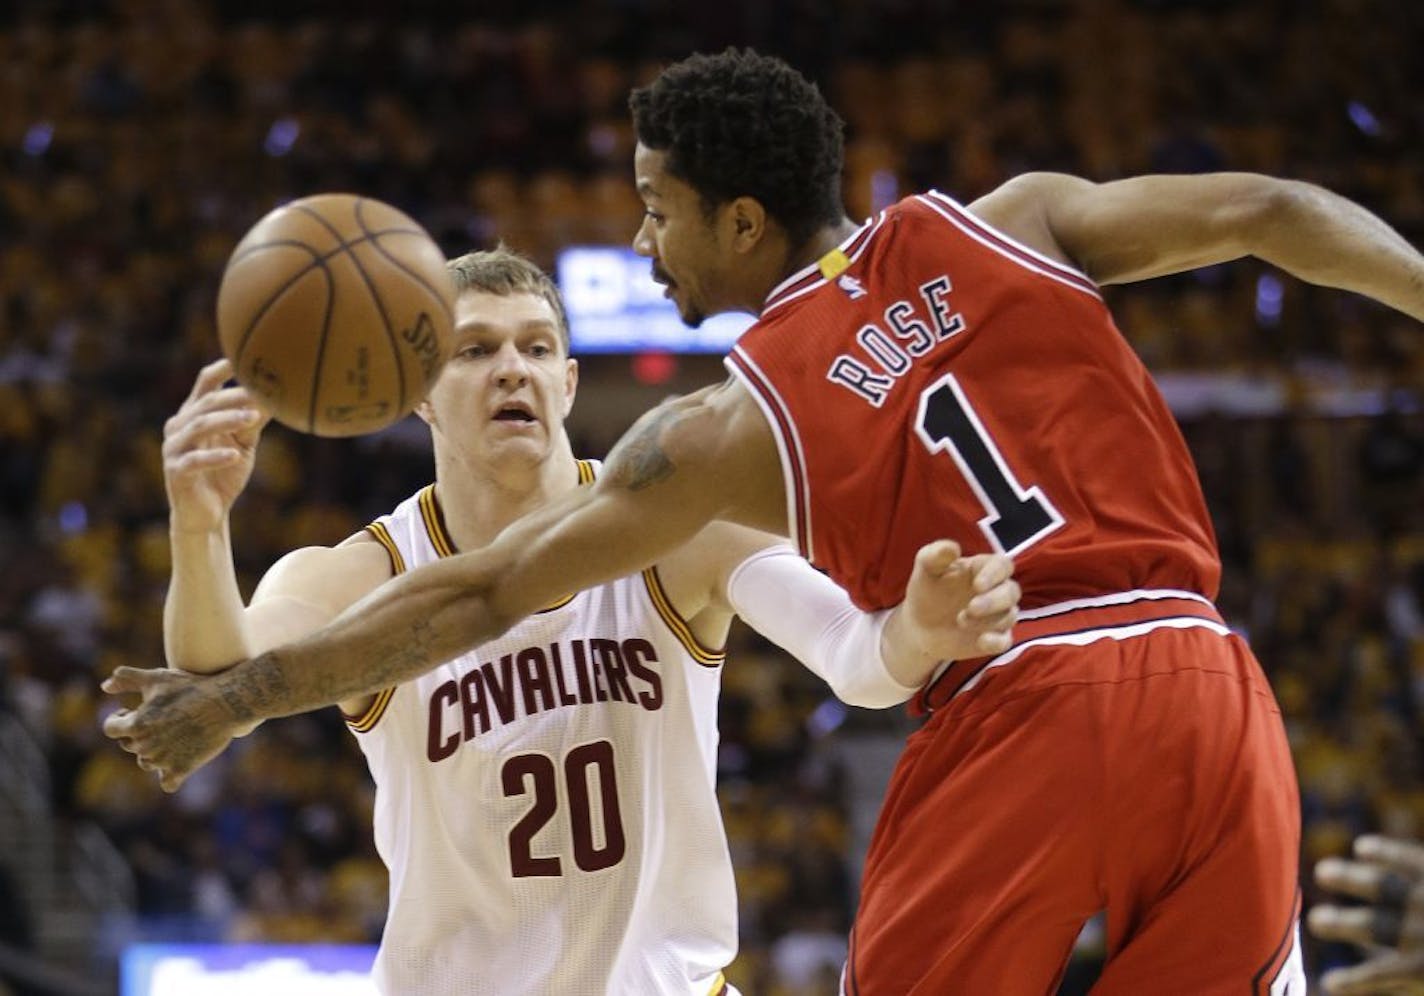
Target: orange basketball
point(336, 311)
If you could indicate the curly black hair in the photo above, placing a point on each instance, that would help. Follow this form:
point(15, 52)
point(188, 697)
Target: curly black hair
point(744, 124)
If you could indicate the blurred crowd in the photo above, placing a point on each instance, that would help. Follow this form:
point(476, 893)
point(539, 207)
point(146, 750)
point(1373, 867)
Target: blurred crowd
point(140, 138)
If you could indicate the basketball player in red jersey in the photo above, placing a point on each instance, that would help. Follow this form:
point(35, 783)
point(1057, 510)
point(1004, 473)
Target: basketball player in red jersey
point(940, 371)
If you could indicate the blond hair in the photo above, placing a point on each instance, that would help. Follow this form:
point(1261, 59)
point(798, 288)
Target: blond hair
point(503, 271)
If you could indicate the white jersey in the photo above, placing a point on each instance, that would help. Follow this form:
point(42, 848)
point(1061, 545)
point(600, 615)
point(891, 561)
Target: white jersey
point(545, 804)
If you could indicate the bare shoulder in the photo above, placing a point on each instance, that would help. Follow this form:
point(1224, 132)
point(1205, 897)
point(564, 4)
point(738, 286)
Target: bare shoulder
point(1020, 209)
point(334, 576)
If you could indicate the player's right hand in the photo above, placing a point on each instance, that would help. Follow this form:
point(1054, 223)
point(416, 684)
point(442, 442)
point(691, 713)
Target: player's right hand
point(960, 607)
point(209, 447)
point(181, 724)
point(1388, 875)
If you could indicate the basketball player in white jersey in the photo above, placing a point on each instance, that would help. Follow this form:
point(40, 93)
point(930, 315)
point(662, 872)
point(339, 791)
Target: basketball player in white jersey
point(545, 803)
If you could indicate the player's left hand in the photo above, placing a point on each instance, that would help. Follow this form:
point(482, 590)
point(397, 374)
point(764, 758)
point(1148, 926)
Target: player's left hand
point(1388, 875)
point(955, 607)
point(180, 725)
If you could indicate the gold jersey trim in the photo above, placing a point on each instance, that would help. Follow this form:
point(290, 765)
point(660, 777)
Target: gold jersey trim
point(383, 537)
point(377, 708)
point(435, 522)
point(445, 546)
point(679, 626)
point(368, 719)
point(719, 985)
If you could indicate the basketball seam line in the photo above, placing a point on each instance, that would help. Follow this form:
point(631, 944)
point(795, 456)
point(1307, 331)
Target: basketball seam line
point(318, 257)
point(439, 299)
point(380, 304)
point(318, 261)
point(316, 264)
point(326, 324)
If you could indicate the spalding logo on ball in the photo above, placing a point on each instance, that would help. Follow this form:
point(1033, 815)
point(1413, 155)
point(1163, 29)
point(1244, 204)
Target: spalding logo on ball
point(336, 312)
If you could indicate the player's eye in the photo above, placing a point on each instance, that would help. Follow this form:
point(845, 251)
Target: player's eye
point(470, 351)
point(657, 217)
point(539, 350)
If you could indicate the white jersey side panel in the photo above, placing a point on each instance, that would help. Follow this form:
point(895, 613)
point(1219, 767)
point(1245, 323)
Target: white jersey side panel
point(545, 804)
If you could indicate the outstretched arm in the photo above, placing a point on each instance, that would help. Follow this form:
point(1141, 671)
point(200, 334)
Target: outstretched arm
point(682, 465)
point(954, 608)
point(1149, 226)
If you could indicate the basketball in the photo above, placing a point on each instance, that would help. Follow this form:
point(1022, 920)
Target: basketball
point(336, 311)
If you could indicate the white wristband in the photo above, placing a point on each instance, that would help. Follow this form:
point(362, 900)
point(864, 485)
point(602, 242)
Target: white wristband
point(788, 601)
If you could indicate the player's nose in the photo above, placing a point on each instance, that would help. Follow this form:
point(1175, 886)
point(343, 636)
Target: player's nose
point(643, 243)
point(510, 366)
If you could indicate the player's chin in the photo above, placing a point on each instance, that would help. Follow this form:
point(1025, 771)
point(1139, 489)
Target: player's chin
point(528, 446)
point(691, 315)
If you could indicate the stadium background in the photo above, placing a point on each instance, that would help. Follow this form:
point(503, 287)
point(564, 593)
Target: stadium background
point(140, 138)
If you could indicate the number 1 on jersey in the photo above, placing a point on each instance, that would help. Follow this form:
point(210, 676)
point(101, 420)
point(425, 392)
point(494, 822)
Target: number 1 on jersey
point(1017, 516)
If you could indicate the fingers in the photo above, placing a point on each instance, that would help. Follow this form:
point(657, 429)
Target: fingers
point(1350, 878)
point(991, 570)
point(1401, 855)
point(1352, 924)
point(992, 604)
point(211, 376)
point(198, 461)
point(230, 410)
point(118, 725)
point(994, 641)
point(130, 679)
point(936, 558)
point(1392, 973)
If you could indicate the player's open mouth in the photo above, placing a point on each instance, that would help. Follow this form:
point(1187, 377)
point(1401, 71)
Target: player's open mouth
point(661, 277)
point(514, 413)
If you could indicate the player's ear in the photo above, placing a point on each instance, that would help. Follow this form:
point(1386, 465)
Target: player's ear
point(570, 384)
point(426, 411)
point(746, 220)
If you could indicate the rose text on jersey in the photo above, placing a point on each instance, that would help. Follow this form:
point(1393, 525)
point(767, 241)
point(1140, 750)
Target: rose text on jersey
point(919, 330)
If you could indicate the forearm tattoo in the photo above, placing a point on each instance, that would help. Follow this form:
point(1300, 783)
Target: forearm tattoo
point(396, 661)
point(639, 460)
point(250, 691)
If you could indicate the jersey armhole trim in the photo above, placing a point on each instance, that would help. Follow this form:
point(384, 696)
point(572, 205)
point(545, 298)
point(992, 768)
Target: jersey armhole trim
point(365, 722)
point(788, 447)
point(382, 536)
point(435, 522)
point(678, 625)
point(368, 719)
point(1011, 249)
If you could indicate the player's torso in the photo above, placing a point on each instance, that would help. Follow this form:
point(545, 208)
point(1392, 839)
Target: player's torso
point(934, 379)
point(546, 803)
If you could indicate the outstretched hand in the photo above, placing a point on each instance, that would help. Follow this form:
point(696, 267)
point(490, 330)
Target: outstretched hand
point(955, 607)
point(1388, 875)
point(180, 725)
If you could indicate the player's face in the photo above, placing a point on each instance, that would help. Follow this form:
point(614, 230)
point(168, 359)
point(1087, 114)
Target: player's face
point(509, 384)
point(687, 246)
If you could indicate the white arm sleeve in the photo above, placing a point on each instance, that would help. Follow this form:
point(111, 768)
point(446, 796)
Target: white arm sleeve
point(788, 601)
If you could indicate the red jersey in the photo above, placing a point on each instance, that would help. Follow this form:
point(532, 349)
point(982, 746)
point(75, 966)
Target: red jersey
point(932, 378)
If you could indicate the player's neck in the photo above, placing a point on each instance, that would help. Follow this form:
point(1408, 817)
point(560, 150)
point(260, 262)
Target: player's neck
point(479, 501)
point(823, 241)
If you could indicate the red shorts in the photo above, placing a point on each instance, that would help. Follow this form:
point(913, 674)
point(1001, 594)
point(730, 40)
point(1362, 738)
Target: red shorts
point(1142, 770)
